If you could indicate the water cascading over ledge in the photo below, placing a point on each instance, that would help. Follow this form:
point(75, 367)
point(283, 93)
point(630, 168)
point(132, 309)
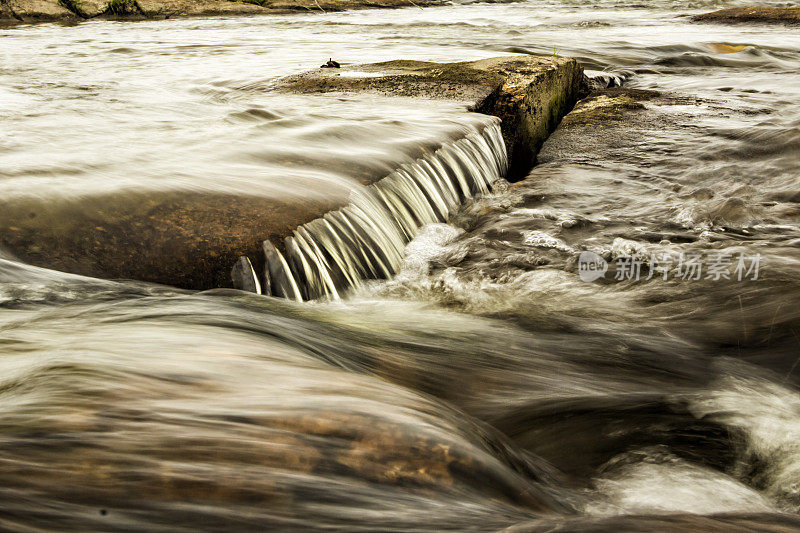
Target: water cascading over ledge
point(188, 233)
point(365, 239)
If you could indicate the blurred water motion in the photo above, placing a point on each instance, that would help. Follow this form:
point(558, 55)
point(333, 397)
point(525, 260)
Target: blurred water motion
point(483, 387)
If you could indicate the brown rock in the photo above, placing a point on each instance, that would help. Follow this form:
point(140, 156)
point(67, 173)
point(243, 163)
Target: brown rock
point(34, 11)
point(780, 15)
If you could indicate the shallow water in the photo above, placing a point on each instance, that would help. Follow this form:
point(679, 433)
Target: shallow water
point(485, 386)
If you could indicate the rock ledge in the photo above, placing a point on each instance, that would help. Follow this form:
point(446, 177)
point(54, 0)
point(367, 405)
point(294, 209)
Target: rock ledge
point(529, 94)
point(191, 239)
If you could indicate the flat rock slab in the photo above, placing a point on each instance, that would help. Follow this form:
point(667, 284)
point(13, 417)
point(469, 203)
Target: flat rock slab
point(528, 93)
point(775, 15)
point(185, 239)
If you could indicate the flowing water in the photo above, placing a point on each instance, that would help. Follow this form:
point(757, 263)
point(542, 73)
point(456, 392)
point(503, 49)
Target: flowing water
point(484, 386)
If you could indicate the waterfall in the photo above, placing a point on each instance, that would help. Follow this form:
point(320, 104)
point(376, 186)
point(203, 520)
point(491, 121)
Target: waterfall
point(366, 238)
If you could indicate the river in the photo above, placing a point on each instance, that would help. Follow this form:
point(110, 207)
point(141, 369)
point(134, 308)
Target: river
point(485, 386)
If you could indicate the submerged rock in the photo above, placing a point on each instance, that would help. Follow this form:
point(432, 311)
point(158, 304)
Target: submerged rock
point(780, 15)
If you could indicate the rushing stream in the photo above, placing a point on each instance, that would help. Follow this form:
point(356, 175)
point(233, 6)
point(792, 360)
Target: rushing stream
point(485, 386)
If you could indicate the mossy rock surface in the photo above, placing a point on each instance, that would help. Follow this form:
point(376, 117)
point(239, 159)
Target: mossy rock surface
point(607, 106)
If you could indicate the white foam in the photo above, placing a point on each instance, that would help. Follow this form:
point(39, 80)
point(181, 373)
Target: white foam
point(540, 239)
point(768, 415)
point(673, 485)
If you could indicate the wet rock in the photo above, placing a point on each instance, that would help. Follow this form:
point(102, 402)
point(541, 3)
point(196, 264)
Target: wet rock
point(774, 15)
point(174, 8)
point(180, 238)
point(85, 8)
point(530, 94)
point(604, 106)
point(13, 11)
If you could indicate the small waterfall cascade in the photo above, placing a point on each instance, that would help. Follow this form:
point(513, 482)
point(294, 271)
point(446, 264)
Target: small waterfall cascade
point(366, 238)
